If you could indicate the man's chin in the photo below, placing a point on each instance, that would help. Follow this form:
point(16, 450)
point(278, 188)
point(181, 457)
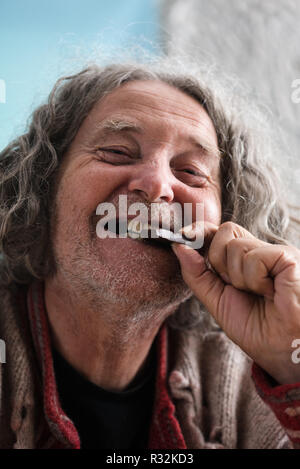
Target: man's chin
point(145, 292)
point(137, 277)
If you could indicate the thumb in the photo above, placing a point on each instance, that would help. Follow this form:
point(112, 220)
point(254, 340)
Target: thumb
point(205, 284)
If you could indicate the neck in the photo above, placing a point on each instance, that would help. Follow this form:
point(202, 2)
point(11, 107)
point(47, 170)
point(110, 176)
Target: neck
point(107, 343)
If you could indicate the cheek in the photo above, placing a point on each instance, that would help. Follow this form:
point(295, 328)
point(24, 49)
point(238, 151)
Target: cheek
point(213, 210)
point(211, 205)
point(84, 190)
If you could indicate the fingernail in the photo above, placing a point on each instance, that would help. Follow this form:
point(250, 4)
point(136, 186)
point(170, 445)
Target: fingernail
point(188, 232)
point(173, 246)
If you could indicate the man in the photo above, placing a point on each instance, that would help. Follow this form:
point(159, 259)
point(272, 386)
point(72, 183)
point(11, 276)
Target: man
point(93, 360)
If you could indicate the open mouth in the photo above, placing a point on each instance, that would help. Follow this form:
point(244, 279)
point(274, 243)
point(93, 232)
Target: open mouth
point(158, 236)
point(139, 232)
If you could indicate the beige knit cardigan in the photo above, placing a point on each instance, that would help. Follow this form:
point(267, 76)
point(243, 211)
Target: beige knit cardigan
point(209, 380)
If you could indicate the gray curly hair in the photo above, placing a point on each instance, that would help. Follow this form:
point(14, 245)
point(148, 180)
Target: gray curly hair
point(251, 194)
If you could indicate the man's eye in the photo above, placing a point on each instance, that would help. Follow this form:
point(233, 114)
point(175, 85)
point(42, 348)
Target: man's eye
point(117, 152)
point(191, 171)
point(112, 150)
point(113, 155)
point(191, 177)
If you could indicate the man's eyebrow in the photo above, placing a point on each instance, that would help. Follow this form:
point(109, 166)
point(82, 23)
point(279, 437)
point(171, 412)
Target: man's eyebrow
point(117, 125)
point(206, 147)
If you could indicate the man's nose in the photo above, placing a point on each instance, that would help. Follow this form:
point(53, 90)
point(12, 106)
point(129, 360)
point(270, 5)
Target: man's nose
point(154, 181)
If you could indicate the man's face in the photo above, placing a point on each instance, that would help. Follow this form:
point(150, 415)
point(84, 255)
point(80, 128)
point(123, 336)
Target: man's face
point(162, 147)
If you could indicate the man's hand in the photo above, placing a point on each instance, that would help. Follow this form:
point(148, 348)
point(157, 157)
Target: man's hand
point(252, 291)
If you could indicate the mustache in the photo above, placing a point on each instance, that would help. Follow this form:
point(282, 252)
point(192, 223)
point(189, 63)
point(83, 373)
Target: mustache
point(163, 214)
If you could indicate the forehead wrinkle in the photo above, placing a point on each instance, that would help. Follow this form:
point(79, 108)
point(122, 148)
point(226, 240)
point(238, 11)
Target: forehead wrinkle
point(163, 100)
point(167, 104)
point(203, 121)
point(172, 114)
point(120, 124)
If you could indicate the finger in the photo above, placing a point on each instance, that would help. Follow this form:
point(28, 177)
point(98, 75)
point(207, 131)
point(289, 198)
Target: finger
point(236, 254)
point(190, 231)
point(217, 297)
point(198, 229)
point(255, 273)
point(277, 263)
point(217, 253)
point(206, 285)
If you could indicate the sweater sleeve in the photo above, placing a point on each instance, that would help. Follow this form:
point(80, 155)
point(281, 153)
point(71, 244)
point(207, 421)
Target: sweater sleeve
point(284, 400)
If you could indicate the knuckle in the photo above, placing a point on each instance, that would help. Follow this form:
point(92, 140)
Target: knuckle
point(238, 282)
point(254, 283)
point(235, 250)
point(213, 257)
point(235, 245)
point(250, 256)
point(291, 254)
point(227, 225)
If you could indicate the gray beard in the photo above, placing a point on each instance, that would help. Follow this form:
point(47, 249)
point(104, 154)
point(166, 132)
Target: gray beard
point(107, 288)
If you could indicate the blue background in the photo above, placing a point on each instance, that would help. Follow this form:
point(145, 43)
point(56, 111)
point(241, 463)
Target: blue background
point(41, 40)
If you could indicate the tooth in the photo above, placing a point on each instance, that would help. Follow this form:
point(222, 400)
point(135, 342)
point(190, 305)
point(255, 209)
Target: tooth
point(138, 230)
point(134, 226)
point(146, 227)
point(134, 229)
